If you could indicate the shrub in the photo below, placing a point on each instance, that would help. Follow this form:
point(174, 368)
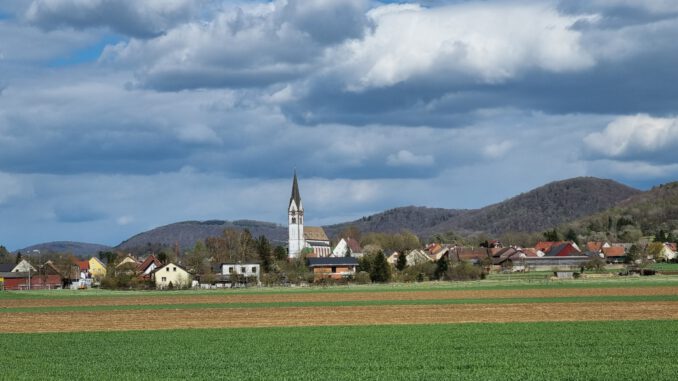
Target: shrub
point(464, 271)
point(362, 277)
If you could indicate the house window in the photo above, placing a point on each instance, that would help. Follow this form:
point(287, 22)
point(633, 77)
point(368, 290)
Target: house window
point(175, 269)
point(230, 269)
point(167, 269)
point(164, 279)
point(254, 270)
point(334, 269)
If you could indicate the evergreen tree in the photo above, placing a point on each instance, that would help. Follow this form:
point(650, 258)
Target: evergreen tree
point(265, 253)
point(633, 254)
point(280, 253)
point(18, 258)
point(348, 252)
point(402, 261)
point(572, 236)
point(661, 236)
point(381, 270)
point(552, 235)
point(441, 268)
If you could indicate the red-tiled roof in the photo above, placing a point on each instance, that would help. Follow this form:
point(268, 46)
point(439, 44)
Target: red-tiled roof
point(84, 265)
point(614, 251)
point(147, 262)
point(545, 245)
point(594, 246)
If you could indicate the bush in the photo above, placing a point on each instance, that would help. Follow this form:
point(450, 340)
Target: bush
point(464, 271)
point(363, 277)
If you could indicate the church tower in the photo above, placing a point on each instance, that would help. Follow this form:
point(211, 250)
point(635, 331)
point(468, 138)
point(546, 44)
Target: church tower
point(295, 212)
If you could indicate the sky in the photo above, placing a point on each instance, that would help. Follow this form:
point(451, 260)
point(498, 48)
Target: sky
point(118, 116)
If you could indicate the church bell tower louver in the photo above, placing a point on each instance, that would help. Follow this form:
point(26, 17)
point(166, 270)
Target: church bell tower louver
point(295, 221)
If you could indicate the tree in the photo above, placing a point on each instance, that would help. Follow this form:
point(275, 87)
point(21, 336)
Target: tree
point(402, 261)
point(552, 235)
point(196, 259)
point(5, 256)
point(661, 236)
point(18, 258)
point(351, 232)
point(163, 257)
point(348, 252)
point(571, 235)
point(381, 270)
point(280, 253)
point(265, 253)
point(656, 250)
point(441, 268)
point(633, 254)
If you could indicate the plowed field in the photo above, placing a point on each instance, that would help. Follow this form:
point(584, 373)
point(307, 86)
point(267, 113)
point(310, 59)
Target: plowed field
point(320, 316)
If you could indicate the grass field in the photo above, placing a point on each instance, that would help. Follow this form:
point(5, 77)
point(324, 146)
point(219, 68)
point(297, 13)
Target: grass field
point(632, 350)
point(621, 328)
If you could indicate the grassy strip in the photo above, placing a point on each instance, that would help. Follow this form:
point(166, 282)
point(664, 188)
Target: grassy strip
point(613, 350)
point(572, 299)
point(502, 284)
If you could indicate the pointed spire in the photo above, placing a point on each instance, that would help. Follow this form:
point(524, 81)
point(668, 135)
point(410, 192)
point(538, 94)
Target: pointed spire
point(295, 191)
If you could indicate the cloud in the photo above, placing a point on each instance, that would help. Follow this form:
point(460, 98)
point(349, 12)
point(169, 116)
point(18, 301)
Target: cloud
point(490, 43)
point(407, 158)
point(142, 19)
point(496, 150)
point(637, 137)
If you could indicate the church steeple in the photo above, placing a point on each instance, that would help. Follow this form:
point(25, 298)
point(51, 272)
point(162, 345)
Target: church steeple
point(296, 197)
point(295, 212)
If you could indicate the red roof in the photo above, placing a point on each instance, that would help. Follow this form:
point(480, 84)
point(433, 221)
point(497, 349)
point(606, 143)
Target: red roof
point(545, 245)
point(614, 251)
point(594, 246)
point(147, 262)
point(84, 265)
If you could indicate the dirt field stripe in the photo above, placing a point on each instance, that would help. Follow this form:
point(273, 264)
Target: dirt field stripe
point(320, 316)
point(581, 299)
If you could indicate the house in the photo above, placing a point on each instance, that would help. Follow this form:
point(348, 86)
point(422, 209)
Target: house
point(564, 249)
point(596, 247)
point(417, 257)
point(391, 257)
point(336, 268)
point(668, 252)
point(23, 266)
point(437, 251)
point(45, 277)
point(614, 254)
point(510, 258)
point(349, 245)
point(171, 275)
point(127, 261)
point(146, 267)
point(474, 255)
point(6, 267)
point(239, 272)
point(97, 268)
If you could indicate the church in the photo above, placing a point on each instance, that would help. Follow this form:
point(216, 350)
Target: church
point(302, 237)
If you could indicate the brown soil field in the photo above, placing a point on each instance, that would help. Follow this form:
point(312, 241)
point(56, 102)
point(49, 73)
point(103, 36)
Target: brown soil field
point(323, 316)
point(224, 298)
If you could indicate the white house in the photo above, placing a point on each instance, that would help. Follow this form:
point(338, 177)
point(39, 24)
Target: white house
point(347, 245)
point(249, 270)
point(23, 267)
point(172, 274)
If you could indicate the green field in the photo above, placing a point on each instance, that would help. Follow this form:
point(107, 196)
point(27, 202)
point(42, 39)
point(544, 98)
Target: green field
point(517, 283)
point(633, 350)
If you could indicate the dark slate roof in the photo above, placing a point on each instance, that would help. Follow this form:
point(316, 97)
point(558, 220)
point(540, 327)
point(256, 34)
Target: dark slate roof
point(295, 191)
point(332, 261)
point(6, 267)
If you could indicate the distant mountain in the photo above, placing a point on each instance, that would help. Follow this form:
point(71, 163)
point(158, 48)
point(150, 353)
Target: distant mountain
point(540, 209)
point(187, 233)
point(79, 249)
point(643, 214)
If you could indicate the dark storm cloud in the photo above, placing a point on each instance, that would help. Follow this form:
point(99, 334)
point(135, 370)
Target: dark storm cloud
point(128, 17)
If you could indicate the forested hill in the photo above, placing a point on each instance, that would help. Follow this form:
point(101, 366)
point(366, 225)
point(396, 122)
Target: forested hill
point(186, 233)
point(644, 214)
point(79, 249)
point(540, 209)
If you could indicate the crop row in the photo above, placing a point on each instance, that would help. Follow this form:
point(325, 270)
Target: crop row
point(629, 350)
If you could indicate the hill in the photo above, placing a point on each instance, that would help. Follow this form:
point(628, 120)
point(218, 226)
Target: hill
point(188, 232)
point(79, 249)
point(540, 209)
point(644, 214)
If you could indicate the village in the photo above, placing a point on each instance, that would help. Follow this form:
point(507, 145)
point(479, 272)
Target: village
point(312, 258)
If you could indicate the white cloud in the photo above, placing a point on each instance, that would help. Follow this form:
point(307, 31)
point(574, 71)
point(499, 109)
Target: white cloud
point(407, 158)
point(10, 187)
point(634, 135)
point(489, 42)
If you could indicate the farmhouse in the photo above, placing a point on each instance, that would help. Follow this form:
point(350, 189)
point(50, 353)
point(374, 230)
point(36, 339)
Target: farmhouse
point(332, 268)
point(171, 276)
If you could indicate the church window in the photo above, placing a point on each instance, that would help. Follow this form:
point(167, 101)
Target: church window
point(294, 220)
